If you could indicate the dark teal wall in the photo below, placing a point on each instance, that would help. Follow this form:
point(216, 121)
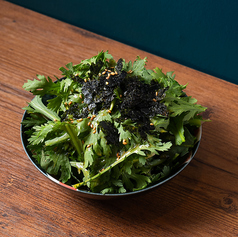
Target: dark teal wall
point(202, 34)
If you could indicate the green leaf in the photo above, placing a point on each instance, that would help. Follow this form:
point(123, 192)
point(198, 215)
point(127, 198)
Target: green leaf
point(65, 169)
point(186, 105)
point(121, 190)
point(41, 133)
point(39, 107)
point(54, 103)
point(139, 70)
point(107, 190)
point(127, 182)
point(158, 74)
point(117, 183)
point(41, 86)
point(52, 162)
point(82, 127)
point(160, 123)
point(166, 171)
point(139, 65)
point(141, 181)
point(176, 127)
point(142, 159)
point(174, 89)
point(33, 119)
point(105, 147)
point(123, 134)
point(127, 167)
point(67, 73)
point(103, 115)
point(88, 157)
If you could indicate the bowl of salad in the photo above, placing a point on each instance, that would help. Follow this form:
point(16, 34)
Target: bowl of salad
point(110, 128)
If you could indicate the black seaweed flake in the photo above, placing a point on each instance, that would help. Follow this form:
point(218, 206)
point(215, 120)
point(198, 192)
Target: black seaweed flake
point(112, 135)
point(138, 101)
point(142, 101)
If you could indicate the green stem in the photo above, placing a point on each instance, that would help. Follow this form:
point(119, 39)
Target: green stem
point(76, 142)
point(57, 140)
point(123, 157)
point(39, 107)
point(138, 149)
point(112, 105)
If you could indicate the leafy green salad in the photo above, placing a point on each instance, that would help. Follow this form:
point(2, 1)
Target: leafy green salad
point(110, 126)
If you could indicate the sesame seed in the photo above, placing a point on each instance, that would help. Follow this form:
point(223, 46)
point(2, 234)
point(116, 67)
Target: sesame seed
point(107, 83)
point(85, 80)
point(156, 93)
point(103, 73)
point(154, 100)
point(151, 124)
point(70, 102)
point(80, 96)
point(89, 123)
point(92, 118)
point(79, 120)
point(88, 145)
point(107, 77)
point(124, 142)
point(94, 131)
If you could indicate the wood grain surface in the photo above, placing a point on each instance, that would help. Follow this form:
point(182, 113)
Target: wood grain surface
point(201, 201)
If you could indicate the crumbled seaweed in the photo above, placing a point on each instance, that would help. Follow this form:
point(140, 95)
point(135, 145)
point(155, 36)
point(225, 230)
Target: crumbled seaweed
point(119, 65)
point(141, 98)
point(99, 93)
point(141, 102)
point(75, 111)
point(111, 132)
point(138, 101)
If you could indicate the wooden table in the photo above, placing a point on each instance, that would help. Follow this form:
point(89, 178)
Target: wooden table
point(201, 201)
